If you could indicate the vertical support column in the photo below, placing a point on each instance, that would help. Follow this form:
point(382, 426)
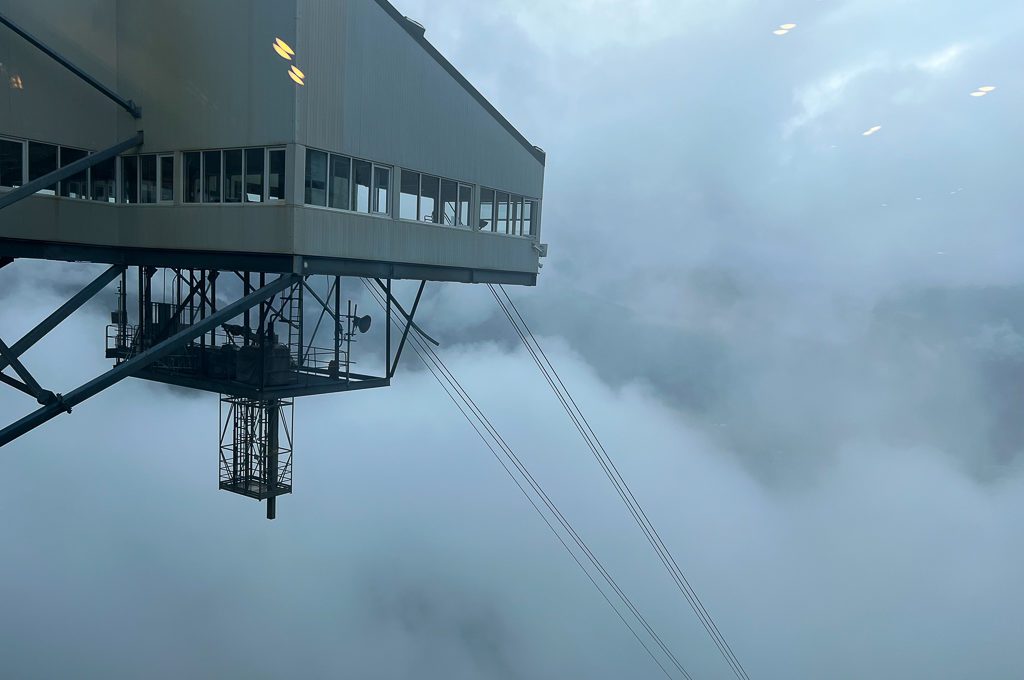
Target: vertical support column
point(300, 321)
point(202, 315)
point(214, 275)
point(387, 332)
point(142, 308)
point(273, 434)
point(122, 311)
point(246, 289)
point(337, 327)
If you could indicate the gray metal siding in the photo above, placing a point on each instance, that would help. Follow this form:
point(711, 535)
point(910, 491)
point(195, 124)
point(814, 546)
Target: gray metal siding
point(205, 73)
point(269, 229)
point(53, 104)
point(395, 104)
point(329, 233)
point(234, 228)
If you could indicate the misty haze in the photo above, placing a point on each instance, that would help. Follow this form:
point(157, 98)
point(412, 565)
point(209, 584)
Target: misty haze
point(780, 270)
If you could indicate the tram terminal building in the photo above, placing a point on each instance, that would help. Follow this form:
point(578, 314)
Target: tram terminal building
point(304, 136)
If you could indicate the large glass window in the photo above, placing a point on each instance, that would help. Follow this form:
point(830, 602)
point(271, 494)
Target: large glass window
point(254, 175)
point(275, 175)
point(130, 179)
point(233, 176)
point(465, 200)
point(409, 197)
point(316, 177)
point(42, 160)
point(103, 182)
point(167, 178)
point(429, 190)
point(361, 185)
point(147, 178)
point(340, 186)
point(486, 210)
point(193, 177)
point(449, 202)
point(76, 186)
point(381, 189)
point(529, 214)
point(501, 212)
point(211, 177)
point(515, 214)
point(11, 163)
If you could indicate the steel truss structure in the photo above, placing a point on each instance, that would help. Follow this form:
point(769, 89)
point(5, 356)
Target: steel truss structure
point(257, 339)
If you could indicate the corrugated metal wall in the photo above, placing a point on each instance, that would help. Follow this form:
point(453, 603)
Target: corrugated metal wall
point(395, 104)
point(205, 73)
point(40, 99)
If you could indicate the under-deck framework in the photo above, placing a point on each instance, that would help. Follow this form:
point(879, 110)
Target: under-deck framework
point(257, 339)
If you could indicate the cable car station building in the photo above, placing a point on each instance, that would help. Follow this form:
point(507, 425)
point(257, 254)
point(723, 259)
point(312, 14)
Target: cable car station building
point(238, 165)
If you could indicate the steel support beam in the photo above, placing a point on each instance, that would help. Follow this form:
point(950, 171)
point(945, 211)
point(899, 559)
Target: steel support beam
point(51, 178)
point(126, 104)
point(21, 387)
point(41, 395)
point(273, 436)
point(405, 333)
point(405, 314)
point(135, 364)
point(63, 312)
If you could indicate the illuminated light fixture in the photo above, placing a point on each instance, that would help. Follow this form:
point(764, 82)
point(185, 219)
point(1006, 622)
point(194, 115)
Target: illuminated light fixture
point(298, 76)
point(987, 88)
point(780, 31)
point(283, 49)
point(281, 53)
point(787, 27)
point(978, 93)
point(871, 131)
point(16, 83)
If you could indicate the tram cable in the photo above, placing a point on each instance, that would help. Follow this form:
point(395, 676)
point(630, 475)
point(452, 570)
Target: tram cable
point(558, 386)
point(477, 419)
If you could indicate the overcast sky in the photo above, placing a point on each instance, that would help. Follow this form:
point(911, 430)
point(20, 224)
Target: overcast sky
point(803, 346)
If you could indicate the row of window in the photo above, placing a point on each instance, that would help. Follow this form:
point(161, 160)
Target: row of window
point(253, 175)
point(507, 213)
point(432, 199)
point(148, 178)
point(336, 181)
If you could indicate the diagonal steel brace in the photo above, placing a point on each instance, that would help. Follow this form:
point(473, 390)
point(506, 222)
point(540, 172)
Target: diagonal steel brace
point(142, 360)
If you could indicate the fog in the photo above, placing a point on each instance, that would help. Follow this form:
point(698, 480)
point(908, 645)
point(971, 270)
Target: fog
point(802, 346)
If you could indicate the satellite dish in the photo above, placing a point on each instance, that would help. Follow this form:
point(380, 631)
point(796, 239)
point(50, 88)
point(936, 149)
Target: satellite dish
point(362, 323)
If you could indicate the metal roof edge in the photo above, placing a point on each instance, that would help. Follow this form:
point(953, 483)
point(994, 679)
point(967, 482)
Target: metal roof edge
point(417, 31)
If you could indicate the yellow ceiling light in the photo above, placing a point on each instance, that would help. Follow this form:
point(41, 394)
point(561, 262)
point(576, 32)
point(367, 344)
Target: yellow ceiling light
point(871, 131)
point(281, 53)
point(987, 88)
point(296, 75)
point(283, 48)
point(780, 31)
point(295, 69)
point(787, 27)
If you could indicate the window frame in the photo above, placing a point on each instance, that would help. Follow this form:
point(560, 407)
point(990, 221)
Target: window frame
point(60, 164)
point(469, 206)
point(24, 161)
point(266, 175)
point(352, 189)
point(160, 178)
point(515, 221)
